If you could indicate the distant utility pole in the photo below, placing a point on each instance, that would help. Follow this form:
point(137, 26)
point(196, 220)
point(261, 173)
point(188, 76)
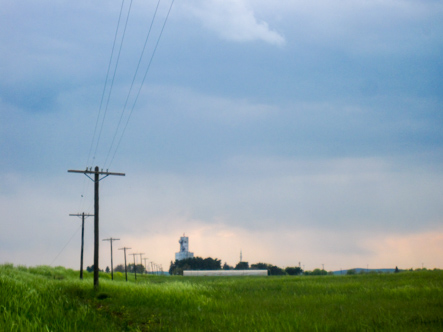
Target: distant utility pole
point(96, 180)
point(83, 215)
point(141, 260)
point(145, 265)
point(126, 269)
point(135, 266)
point(112, 267)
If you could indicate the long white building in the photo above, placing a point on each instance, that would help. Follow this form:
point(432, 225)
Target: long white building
point(184, 249)
point(225, 273)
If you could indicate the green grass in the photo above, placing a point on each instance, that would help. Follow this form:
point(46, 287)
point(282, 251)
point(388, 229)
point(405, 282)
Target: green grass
point(53, 299)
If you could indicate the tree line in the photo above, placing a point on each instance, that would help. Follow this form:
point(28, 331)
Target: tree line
point(139, 268)
point(198, 263)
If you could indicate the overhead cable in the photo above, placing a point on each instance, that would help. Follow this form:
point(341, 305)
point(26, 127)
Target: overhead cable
point(142, 82)
point(113, 78)
point(106, 83)
point(133, 80)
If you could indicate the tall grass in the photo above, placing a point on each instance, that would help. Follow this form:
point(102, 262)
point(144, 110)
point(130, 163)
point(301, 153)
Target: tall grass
point(44, 299)
point(53, 299)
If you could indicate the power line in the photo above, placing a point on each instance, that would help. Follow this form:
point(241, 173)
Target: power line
point(142, 82)
point(133, 79)
point(113, 78)
point(65, 245)
point(106, 82)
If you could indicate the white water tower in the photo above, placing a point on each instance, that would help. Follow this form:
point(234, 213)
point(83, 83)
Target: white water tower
point(184, 249)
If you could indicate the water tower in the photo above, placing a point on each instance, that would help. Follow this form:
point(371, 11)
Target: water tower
point(184, 249)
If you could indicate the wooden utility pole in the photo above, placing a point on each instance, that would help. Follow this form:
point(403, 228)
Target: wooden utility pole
point(141, 260)
point(145, 265)
point(96, 181)
point(83, 215)
point(135, 266)
point(126, 269)
point(112, 267)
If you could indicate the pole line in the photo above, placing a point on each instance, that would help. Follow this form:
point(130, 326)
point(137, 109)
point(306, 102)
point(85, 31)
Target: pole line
point(126, 268)
point(83, 215)
point(112, 265)
point(141, 261)
point(135, 266)
point(97, 173)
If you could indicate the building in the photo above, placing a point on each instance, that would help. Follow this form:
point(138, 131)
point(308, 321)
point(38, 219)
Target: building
point(184, 249)
point(224, 273)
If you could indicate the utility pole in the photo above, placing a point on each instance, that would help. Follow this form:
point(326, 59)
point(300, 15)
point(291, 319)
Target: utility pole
point(126, 269)
point(83, 215)
point(135, 266)
point(145, 265)
point(112, 267)
point(96, 181)
point(141, 261)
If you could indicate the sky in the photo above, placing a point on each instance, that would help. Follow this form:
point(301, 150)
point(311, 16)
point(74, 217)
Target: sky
point(293, 132)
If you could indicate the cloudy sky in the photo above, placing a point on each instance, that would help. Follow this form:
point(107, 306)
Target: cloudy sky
point(293, 131)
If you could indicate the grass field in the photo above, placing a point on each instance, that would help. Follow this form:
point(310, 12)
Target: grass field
point(53, 299)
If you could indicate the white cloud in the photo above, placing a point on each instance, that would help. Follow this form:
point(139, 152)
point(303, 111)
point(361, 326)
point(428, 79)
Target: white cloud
point(234, 20)
point(360, 26)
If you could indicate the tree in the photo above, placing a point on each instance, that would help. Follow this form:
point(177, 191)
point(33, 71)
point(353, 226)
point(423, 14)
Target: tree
point(107, 270)
point(260, 266)
point(294, 271)
point(276, 271)
point(317, 272)
point(227, 267)
point(91, 268)
point(140, 268)
point(242, 266)
point(272, 269)
point(172, 268)
point(195, 263)
point(119, 268)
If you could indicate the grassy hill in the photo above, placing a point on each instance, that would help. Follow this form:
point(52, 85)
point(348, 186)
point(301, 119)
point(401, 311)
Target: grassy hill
point(54, 299)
